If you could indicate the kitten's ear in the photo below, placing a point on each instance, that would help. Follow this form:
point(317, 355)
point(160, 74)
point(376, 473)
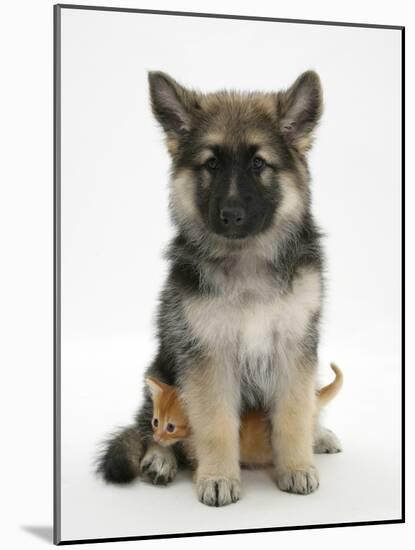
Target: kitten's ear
point(173, 105)
point(299, 110)
point(154, 385)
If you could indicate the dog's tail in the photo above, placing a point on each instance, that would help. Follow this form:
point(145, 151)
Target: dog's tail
point(326, 394)
point(119, 461)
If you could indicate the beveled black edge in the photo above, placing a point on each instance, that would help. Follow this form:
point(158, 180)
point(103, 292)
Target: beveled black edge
point(403, 181)
point(57, 276)
point(235, 531)
point(230, 16)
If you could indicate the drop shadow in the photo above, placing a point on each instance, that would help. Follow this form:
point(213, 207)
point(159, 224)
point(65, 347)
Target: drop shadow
point(44, 532)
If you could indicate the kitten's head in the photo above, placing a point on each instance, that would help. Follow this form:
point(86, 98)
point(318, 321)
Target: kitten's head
point(169, 421)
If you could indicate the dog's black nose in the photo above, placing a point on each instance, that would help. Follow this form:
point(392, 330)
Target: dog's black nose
point(232, 215)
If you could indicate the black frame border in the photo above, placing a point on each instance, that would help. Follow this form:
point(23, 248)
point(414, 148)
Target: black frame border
point(57, 8)
point(56, 274)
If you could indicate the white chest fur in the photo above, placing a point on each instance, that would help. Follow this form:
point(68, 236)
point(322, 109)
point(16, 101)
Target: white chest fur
point(254, 317)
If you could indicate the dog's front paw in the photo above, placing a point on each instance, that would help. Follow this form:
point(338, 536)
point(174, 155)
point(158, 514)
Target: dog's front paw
point(302, 482)
point(327, 442)
point(159, 466)
point(217, 491)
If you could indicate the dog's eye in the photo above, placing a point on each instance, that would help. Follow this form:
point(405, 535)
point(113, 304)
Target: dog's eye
point(155, 422)
point(212, 163)
point(258, 163)
point(170, 427)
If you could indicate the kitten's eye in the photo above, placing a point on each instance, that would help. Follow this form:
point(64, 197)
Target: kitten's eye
point(155, 422)
point(212, 163)
point(170, 427)
point(258, 163)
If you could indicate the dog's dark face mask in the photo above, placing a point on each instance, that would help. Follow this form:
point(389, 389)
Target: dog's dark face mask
point(237, 188)
point(235, 148)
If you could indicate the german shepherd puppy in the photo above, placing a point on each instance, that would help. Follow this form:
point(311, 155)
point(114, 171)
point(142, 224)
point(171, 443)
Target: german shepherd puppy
point(238, 320)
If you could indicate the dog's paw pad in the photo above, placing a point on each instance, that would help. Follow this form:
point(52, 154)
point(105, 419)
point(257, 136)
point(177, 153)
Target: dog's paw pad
point(218, 491)
point(302, 482)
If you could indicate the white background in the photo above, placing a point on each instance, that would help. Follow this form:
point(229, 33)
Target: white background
point(115, 225)
point(27, 277)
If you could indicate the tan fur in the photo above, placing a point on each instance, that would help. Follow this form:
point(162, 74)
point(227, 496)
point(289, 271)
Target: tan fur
point(204, 155)
point(266, 152)
point(214, 425)
point(231, 102)
point(292, 422)
point(172, 146)
point(254, 440)
point(182, 197)
point(213, 138)
point(255, 429)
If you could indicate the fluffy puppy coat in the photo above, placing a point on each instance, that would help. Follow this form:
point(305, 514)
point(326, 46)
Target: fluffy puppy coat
point(238, 319)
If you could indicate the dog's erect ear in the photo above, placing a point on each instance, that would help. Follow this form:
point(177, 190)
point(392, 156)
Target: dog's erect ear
point(299, 110)
point(172, 104)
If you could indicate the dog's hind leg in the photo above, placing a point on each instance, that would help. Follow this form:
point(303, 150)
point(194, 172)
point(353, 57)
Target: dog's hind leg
point(325, 441)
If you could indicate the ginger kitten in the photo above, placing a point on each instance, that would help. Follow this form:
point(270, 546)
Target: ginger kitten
point(170, 424)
